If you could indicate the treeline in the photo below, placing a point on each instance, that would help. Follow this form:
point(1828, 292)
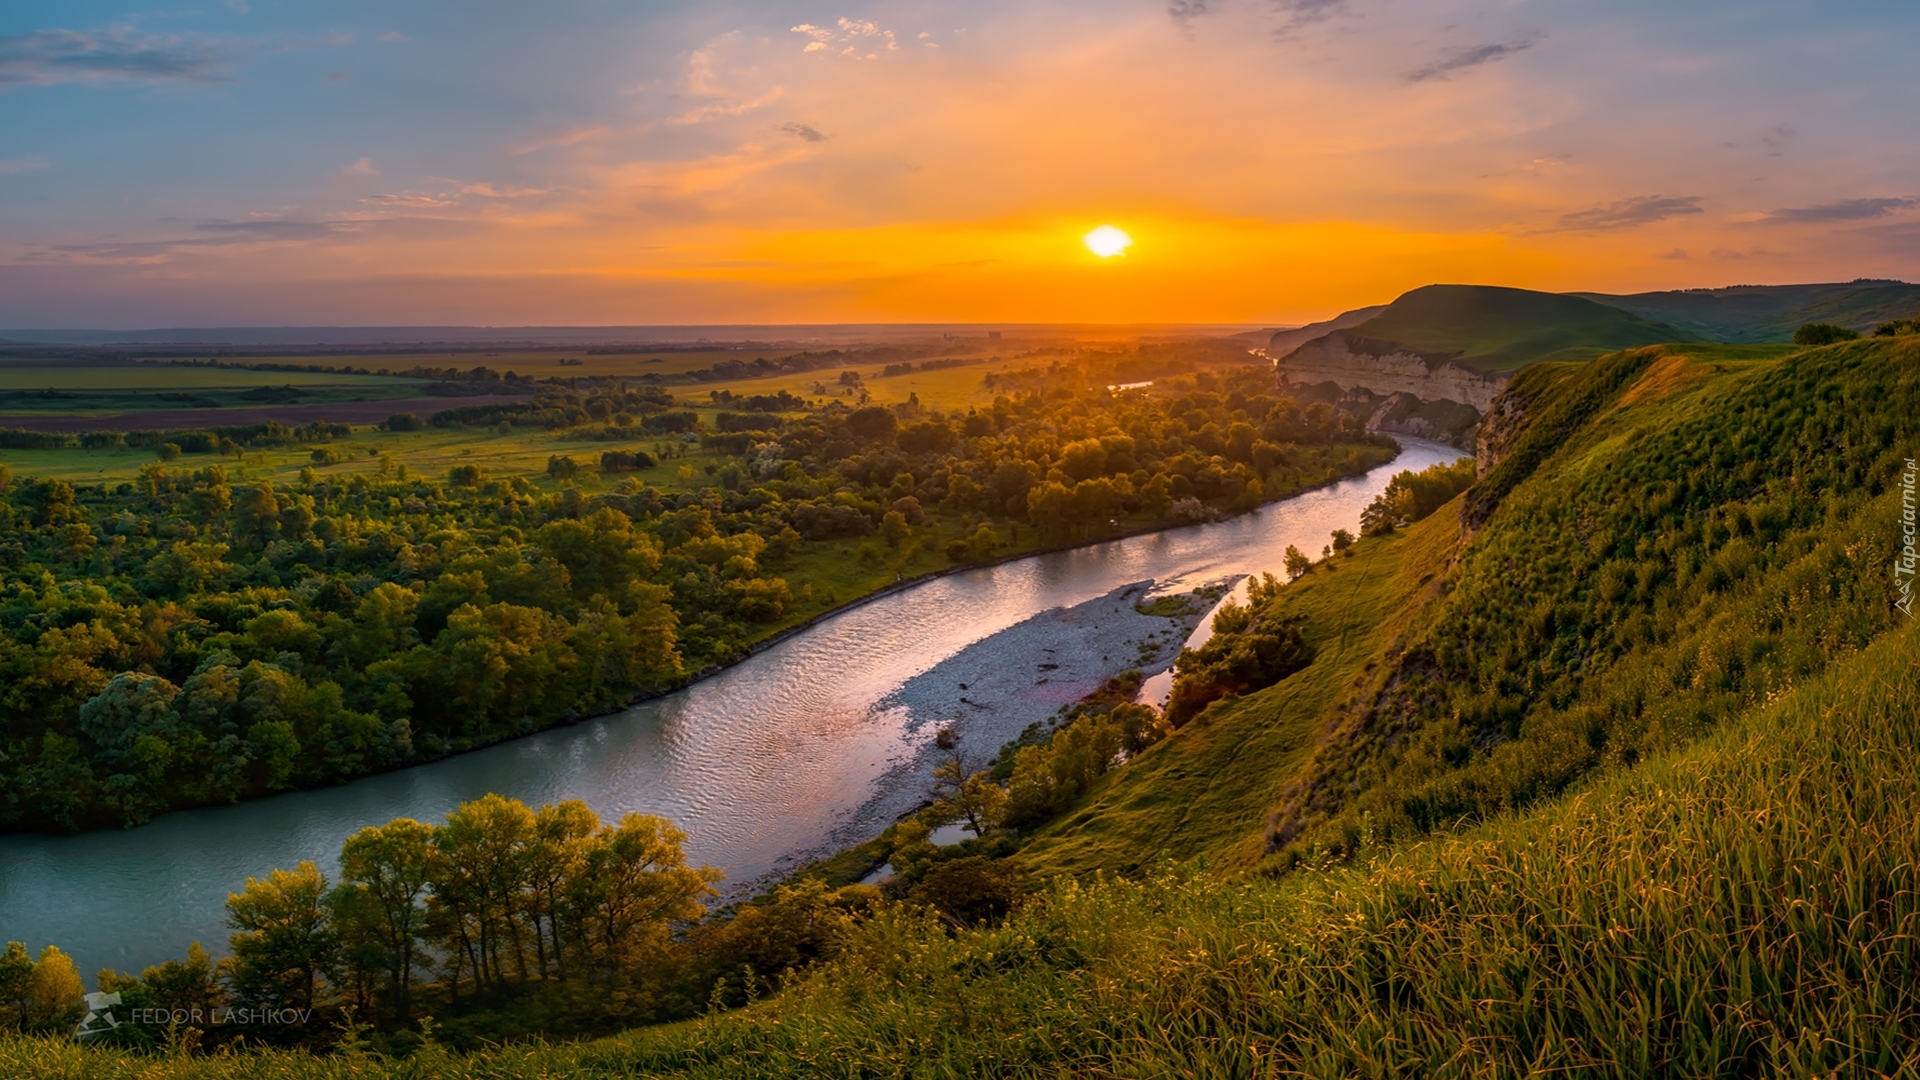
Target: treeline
point(198, 636)
point(223, 440)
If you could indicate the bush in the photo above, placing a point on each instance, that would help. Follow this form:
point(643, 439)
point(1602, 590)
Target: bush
point(619, 461)
point(1819, 333)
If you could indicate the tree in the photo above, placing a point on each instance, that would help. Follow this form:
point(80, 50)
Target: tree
point(54, 991)
point(557, 853)
point(635, 882)
point(184, 984)
point(16, 979)
point(894, 528)
point(873, 423)
point(283, 938)
point(1297, 563)
point(1822, 334)
point(480, 872)
point(1342, 540)
point(385, 872)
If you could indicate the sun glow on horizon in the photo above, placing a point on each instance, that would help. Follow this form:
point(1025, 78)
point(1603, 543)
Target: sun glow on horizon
point(1107, 241)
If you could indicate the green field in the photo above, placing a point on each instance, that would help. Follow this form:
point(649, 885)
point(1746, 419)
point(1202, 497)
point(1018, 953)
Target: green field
point(538, 363)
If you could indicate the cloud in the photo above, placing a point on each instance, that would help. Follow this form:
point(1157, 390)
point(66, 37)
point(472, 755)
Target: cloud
point(804, 131)
point(1296, 15)
point(244, 232)
point(1844, 210)
point(363, 167)
point(1462, 59)
point(1631, 213)
point(393, 36)
point(1185, 11)
point(851, 37)
point(8, 168)
point(121, 54)
point(488, 191)
point(418, 201)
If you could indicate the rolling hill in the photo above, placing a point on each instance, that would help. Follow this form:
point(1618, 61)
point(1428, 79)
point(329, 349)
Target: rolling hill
point(1770, 313)
point(1494, 330)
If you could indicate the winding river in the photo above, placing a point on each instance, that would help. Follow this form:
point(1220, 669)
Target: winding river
point(759, 764)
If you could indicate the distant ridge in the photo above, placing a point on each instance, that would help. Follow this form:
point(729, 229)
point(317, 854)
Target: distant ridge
point(1285, 341)
point(746, 335)
point(1492, 330)
point(1751, 314)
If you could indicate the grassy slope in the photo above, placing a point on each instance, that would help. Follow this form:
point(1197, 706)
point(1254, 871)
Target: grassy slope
point(1191, 795)
point(1494, 330)
point(1770, 313)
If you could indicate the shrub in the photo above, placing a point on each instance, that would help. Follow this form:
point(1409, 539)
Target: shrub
point(1822, 334)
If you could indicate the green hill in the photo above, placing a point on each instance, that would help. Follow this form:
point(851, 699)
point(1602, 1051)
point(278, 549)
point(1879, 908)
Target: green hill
point(1771, 313)
point(1604, 769)
point(1494, 330)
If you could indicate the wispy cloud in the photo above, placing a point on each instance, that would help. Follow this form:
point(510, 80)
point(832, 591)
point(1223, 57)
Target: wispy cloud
point(805, 131)
point(855, 38)
point(242, 232)
point(488, 191)
point(363, 167)
point(1297, 15)
point(117, 54)
point(1631, 213)
point(1184, 12)
point(1844, 210)
point(1477, 56)
point(8, 168)
point(424, 202)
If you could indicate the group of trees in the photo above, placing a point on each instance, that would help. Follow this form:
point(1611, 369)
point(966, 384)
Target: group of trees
point(1411, 496)
point(200, 635)
point(503, 921)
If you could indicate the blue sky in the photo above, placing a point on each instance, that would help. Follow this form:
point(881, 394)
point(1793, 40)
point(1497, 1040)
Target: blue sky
point(596, 162)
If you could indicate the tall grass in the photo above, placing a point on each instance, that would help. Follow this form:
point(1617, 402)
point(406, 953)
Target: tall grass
point(1748, 908)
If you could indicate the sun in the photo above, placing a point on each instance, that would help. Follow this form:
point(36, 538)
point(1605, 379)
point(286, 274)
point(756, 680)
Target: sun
point(1107, 241)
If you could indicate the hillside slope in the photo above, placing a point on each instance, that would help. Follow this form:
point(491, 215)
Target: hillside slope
point(1771, 313)
point(1282, 342)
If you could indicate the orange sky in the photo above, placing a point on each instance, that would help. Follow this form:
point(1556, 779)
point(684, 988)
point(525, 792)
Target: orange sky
point(775, 163)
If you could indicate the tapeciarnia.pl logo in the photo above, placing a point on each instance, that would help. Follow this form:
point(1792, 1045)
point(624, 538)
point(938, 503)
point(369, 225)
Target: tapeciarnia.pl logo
point(1907, 562)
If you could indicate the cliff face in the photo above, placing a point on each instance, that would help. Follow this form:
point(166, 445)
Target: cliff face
point(1498, 428)
point(1334, 359)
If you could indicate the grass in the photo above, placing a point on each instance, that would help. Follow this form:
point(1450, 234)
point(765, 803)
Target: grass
point(1748, 907)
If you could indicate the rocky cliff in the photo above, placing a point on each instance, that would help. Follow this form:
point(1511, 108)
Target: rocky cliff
point(1350, 363)
point(1498, 428)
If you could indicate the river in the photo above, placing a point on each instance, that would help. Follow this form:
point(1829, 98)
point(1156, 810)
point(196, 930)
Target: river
point(764, 761)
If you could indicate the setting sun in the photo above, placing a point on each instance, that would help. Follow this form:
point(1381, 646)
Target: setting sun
point(1107, 241)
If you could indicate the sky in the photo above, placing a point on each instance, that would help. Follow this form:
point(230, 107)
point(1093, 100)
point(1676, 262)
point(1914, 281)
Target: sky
point(590, 162)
